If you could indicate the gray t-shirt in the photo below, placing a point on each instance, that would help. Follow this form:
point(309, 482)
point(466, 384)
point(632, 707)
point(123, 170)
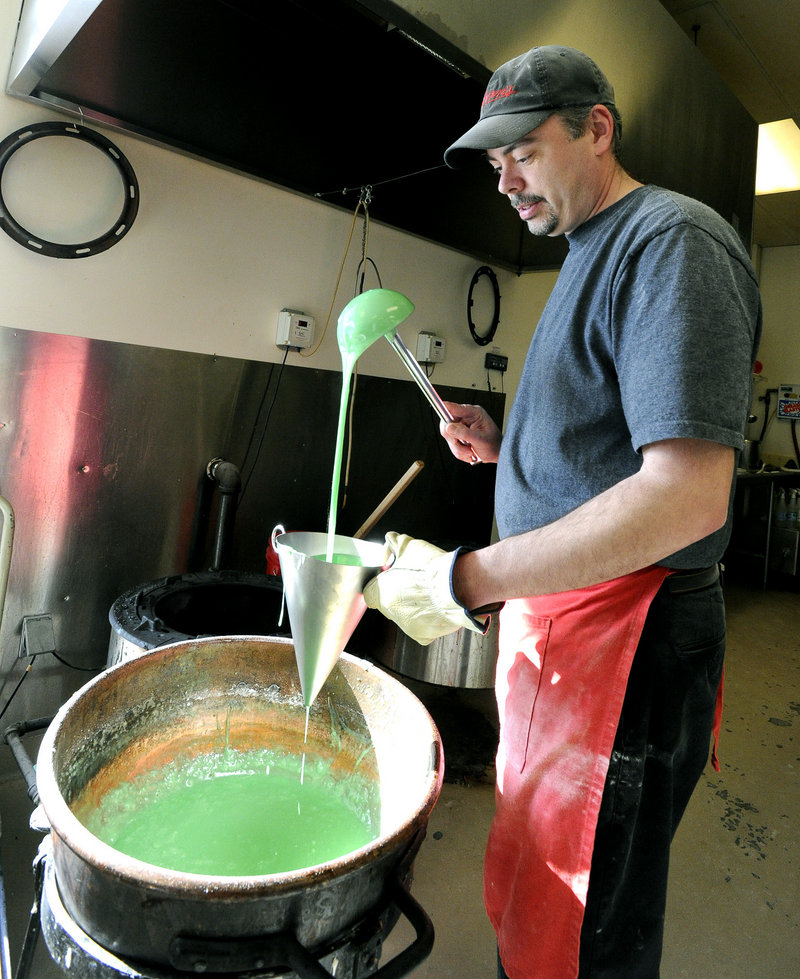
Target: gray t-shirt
point(650, 333)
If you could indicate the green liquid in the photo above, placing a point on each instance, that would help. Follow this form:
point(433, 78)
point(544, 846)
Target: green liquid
point(379, 311)
point(230, 815)
point(352, 559)
point(348, 363)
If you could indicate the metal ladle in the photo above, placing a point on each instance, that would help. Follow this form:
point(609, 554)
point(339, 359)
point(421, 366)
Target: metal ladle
point(377, 313)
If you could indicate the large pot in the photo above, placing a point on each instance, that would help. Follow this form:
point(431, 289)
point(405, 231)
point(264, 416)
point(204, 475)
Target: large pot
point(463, 659)
point(199, 603)
point(175, 700)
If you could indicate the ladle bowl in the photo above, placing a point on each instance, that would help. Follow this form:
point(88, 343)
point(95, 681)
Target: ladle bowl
point(377, 313)
point(369, 316)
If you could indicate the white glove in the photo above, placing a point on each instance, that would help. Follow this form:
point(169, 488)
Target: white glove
point(416, 591)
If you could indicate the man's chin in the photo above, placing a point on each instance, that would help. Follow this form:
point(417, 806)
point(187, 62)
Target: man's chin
point(543, 227)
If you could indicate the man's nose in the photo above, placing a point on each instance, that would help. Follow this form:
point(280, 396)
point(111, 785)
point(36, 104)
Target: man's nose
point(509, 181)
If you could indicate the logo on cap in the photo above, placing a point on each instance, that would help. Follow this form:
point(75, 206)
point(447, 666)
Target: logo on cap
point(498, 93)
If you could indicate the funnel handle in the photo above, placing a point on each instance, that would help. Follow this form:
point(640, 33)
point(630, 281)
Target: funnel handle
point(277, 530)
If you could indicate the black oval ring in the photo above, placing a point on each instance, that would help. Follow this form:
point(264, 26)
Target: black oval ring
point(121, 226)
point(482, 341)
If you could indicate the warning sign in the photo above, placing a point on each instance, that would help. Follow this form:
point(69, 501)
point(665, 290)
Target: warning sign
point(789, 401)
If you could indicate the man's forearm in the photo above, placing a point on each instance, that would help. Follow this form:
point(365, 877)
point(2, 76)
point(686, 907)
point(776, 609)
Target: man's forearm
point(678, 497)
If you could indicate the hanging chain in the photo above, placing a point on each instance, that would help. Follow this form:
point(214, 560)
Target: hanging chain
point(365, 200)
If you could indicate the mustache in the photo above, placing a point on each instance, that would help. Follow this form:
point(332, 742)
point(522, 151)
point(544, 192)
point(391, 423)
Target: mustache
point(524, 200)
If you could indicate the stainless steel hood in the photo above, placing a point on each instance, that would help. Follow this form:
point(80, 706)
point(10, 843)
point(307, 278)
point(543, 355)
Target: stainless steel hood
point(316, 96)
point(324, 97)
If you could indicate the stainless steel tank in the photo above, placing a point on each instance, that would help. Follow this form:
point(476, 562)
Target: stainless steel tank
point(461, 659)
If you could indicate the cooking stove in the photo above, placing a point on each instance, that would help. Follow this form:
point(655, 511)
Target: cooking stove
point(354, 955)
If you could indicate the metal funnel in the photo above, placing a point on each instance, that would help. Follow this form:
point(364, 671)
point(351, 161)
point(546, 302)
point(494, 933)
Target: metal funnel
point(325, 599)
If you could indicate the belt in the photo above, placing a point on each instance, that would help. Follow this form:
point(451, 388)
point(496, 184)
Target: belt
point(692, 579)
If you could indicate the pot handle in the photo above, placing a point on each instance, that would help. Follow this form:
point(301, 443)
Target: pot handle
point(420, 948)
point(188, 952)
point(308, 967)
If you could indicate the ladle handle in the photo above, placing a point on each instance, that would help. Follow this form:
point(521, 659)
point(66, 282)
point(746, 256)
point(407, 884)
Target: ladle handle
point(425, 385)
point(421, 378)
point(399, 487)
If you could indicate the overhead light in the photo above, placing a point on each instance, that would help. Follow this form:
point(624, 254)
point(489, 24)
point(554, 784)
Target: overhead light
point(778, 164)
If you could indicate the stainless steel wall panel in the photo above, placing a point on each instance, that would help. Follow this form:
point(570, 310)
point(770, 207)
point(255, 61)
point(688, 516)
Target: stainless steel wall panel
point(103, 455)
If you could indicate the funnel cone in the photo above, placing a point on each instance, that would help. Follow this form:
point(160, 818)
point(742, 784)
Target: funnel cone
point(325, 599)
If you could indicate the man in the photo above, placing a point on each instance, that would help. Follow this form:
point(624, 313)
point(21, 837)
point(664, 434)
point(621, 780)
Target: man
point(613, 501)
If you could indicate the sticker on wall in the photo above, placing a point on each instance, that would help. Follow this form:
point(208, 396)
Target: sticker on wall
point(788, 401)
point(99, 243)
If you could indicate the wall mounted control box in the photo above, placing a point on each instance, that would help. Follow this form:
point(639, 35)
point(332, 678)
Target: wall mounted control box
point(295, 329)
point(495, 362)
point(430, 348)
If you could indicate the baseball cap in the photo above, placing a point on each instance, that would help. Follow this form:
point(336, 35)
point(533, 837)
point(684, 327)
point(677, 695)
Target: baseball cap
point(525, 91)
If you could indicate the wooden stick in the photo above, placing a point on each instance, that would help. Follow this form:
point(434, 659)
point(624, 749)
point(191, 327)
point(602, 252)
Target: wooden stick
point(399, 487)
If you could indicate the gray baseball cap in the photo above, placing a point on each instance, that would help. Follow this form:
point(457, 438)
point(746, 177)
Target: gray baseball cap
point(525, 91)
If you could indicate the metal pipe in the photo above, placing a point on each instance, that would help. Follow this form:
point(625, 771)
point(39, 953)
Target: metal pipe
point(13, 738)
point(6, 547)
point(229, 480)
point(5, 951)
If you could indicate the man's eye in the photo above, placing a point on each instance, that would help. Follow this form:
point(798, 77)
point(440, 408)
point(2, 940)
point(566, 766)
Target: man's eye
point(522, 160)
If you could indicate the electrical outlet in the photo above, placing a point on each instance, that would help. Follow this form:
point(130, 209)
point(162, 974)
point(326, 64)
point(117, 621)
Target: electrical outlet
point(36, 636)
point(496, 362)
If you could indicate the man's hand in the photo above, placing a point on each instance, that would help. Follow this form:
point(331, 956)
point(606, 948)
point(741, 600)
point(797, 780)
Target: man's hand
point(416, 592)
point(473, 435)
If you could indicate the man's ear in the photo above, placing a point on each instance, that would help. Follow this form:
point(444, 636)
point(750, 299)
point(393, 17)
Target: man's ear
point(601, 125)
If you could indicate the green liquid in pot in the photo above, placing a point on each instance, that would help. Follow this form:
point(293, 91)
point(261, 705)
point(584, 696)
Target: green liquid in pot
point(352, 559)
point(212, 817)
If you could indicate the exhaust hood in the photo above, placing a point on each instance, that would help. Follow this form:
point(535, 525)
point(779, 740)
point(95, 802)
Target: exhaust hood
point(321, 97)
point(324, 97)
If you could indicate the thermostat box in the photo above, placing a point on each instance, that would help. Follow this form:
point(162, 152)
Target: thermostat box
point(430, 348)
point(788, 401)
point(295, 329)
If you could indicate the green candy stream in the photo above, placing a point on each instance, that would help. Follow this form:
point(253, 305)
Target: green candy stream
point(365, 319)
point(348, 364)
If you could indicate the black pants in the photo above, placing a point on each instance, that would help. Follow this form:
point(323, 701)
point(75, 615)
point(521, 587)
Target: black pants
point(660, 751)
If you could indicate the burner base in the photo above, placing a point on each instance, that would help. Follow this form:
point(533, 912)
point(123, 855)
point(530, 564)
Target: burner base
point(358, 957)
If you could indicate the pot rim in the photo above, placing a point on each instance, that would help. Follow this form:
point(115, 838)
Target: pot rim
point(70, 832)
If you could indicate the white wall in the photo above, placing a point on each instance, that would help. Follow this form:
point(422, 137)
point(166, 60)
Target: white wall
point(213, 256)
point(780, 347)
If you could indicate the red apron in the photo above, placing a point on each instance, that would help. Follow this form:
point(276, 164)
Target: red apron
point(561, 677)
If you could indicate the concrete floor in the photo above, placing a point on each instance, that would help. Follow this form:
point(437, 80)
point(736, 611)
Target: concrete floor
point(734, 900)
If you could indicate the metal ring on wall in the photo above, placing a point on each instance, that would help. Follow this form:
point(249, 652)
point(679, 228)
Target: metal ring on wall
point(482, 341)
point(121, 226)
